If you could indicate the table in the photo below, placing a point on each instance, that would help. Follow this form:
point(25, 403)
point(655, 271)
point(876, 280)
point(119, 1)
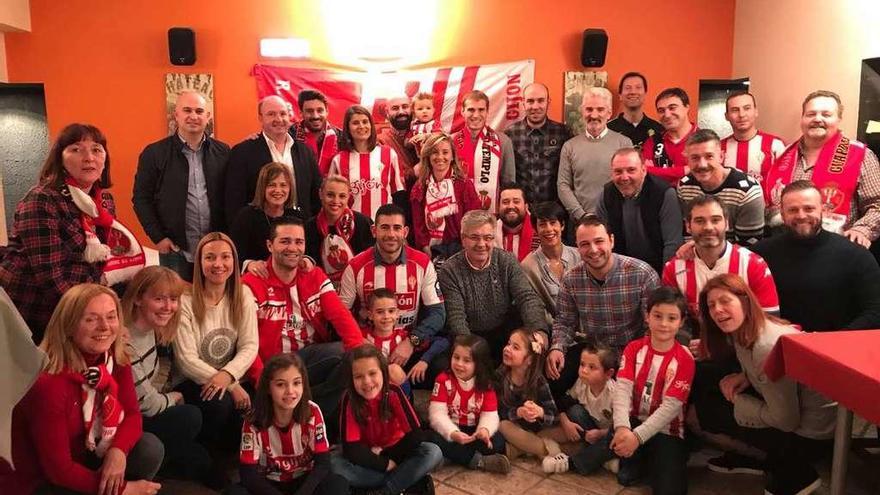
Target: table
point(845, 367)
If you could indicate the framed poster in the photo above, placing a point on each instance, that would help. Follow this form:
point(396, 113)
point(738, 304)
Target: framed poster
point(177, 83)
point(575, 84)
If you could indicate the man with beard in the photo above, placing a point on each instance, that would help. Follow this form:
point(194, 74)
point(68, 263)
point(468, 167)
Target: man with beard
point(748, 149)
point(273, 144)
point(583, 167)
point(314, 130)
point(824, 282)
point(664, 153)
point(398, 111)
point(632, 121)
point(740, 194)
point(486, 155)
point(714, 255)
point(845, 171)
point(605, 297)
point(641, 210)
point(537, 143)
point(295, 309)
point(407, 272)
point(514, 228)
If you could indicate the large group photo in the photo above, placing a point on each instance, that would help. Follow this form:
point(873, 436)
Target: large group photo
point(462, 248)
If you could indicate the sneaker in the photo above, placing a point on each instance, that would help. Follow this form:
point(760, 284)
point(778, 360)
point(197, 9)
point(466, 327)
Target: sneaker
point(803, 482)
point(424, 486)
point(495, 463)
point(731, 463)
point(555, 463)
point(612, 465)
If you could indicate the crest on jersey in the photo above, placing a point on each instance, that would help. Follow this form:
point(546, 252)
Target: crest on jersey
point(247, 441)
point(411, 282)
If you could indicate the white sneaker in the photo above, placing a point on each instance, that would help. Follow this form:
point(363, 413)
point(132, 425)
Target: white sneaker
point(555, 463)
point(612, 465)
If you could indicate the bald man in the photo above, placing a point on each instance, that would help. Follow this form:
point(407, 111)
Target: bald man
point(537, 143)
point(178, 187)
point(272, 144)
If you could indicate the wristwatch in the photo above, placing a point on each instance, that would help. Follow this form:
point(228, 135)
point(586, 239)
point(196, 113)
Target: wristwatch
point(415, 340)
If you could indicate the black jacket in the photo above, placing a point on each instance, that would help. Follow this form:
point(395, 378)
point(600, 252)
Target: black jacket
point(650, 202)
point(248, 157)
point(161, 183)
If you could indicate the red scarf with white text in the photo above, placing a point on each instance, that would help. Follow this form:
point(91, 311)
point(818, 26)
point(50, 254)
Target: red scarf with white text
point(481, 161)
point(102, 411)
point(439, 204)
point(336, 249)
point(518, 242)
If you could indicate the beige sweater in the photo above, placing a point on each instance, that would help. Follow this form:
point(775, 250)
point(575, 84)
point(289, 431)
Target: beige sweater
point(784, 404)
point(200, 350)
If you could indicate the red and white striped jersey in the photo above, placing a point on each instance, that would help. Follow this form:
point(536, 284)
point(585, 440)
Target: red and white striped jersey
point(413, 279)
point(385, 344)
point(690, 276)
point(754, 156)
point(373, 176)
point(285, 454)
point(464, 406)
point(655, 376)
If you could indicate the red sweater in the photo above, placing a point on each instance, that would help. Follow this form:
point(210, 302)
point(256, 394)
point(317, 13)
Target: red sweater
point(49, 437)
point(318, 305)
point(465, 197)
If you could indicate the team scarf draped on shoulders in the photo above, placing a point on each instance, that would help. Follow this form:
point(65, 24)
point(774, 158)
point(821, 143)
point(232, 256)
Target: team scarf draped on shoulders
point(520, 243)
point(102, 411)
point(329, 146)
point(481, 157)
point(439, 203)
point(336, 249)
point(122, 254)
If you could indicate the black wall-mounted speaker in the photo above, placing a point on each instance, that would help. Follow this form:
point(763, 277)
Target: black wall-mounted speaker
point(594, 47)
point(182, 46)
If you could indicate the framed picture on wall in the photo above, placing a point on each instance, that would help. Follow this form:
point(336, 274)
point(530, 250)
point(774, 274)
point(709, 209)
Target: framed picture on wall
point(575, 84)
point(176, 83)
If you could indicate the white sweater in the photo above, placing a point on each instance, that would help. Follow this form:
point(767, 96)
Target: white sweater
point(202, 350)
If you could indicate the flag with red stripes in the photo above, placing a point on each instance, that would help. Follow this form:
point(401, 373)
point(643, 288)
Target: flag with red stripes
point(502, 83)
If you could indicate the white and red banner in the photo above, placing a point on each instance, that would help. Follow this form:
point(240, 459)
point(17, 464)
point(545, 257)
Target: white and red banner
point(503, 83)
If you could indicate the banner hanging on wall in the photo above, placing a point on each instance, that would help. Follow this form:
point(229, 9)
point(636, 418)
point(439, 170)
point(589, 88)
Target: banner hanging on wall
point(503, 83)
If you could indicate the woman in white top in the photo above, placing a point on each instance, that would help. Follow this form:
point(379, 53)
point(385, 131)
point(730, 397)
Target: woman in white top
point(217, 339)
point(792, 424)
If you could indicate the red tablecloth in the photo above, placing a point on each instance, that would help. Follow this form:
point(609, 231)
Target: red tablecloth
point(844, 366)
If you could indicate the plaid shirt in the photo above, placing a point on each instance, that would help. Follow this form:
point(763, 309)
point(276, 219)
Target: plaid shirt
point(537, 157)
point(612, 312)
point(45, 251)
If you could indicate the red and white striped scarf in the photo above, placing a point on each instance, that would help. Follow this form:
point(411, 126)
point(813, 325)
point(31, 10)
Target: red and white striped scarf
point(439, 204)
point(519, 242)
point(336, 249)
point(481, 158)
point(329, 146)
point(102, 411)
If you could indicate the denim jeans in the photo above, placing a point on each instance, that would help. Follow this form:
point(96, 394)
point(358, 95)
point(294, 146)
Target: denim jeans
point(423, 460)
point(662, 460)
point(463, 454)
point(177, 261)
point(592, 455)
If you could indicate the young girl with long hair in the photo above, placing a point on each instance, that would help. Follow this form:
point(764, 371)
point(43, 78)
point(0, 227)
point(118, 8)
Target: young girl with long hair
point(382, 445)
point(525, 403)
point(284, 445)
point(464, 408)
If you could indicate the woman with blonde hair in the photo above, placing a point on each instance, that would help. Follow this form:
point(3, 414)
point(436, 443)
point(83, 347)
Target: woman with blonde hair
point(274, 197)
point(216, 340)
point(79, 428)
point(441, 196)
point(151, 308)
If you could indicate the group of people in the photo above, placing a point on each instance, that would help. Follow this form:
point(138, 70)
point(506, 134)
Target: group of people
point(311, 277)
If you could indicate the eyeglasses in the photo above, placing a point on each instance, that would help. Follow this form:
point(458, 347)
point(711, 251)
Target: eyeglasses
point(477, 238)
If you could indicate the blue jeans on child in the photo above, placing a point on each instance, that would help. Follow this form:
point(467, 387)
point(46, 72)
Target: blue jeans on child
point(464, 454)
point(592, 456)
point(425, 458)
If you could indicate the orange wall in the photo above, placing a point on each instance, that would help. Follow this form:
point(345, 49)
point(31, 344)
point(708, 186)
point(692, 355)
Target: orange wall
point(106, 65)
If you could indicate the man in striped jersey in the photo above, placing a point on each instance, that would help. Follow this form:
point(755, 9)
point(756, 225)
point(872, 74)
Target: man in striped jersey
point(713, 255)
point(748, 149)
point(740, 194)
point(409, 273)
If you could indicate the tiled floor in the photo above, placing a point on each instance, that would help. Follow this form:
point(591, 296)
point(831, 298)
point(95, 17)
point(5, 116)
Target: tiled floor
point(527, 478)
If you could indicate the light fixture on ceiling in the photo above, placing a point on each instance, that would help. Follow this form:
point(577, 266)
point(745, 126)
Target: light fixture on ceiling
point(285, 48)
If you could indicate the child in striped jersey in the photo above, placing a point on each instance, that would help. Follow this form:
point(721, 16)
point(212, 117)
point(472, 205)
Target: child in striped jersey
point(649, 400)
point(526, 406)
point(284, 446)
point(464, 409)
point(382, 313)
point(382, 447)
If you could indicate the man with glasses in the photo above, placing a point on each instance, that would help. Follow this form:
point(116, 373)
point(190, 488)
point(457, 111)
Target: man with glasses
point(485, 289)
